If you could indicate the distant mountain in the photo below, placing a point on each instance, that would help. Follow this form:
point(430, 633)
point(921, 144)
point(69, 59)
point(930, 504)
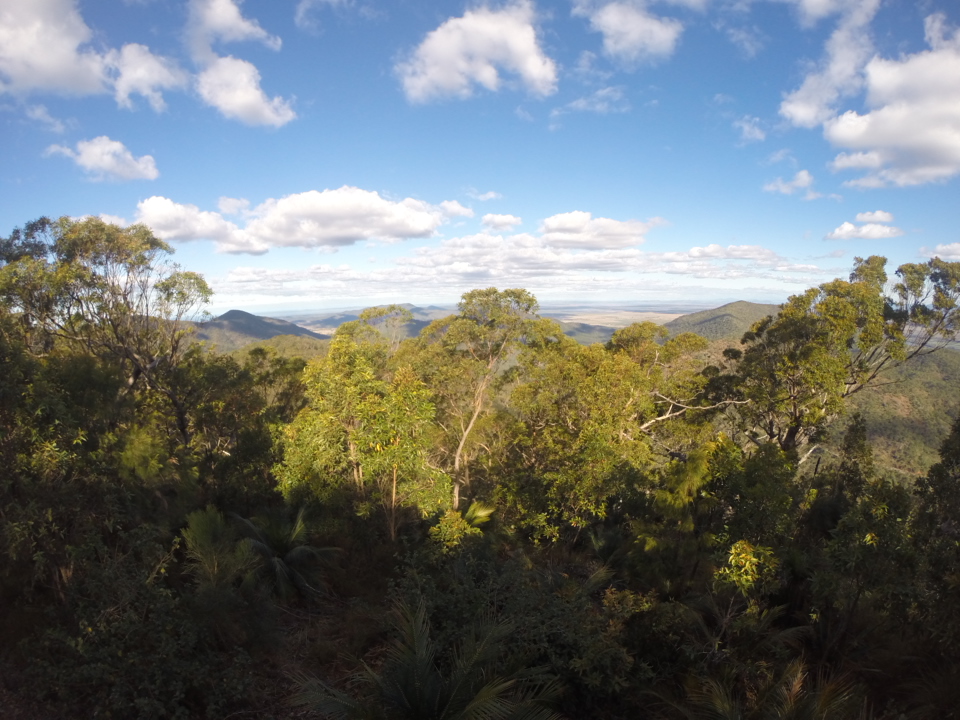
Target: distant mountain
point(727, 322)
point(237, 328)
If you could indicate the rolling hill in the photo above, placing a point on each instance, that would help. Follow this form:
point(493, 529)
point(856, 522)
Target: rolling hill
point(237, 328)
point(729, 321)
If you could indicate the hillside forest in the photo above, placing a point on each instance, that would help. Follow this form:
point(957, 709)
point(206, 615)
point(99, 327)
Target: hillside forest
point(484, 519)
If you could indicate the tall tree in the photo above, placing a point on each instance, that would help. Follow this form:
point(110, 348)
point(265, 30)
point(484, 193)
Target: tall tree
point(364, 432)
point(836, 339)
point(462, 357)
point(109, 290)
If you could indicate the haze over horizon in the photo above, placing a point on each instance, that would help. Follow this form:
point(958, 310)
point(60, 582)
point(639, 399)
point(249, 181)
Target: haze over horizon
point(322, 154)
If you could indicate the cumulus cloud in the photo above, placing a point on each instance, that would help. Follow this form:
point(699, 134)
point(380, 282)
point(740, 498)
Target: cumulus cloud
point(139, 71)
point(812, 11)
point(45, 47)
point(233, 206)
point(451, 208)
point(910, 134)
point(875, 216)
point(579, 229)
point(945, 252)
point(213, 21)
point(312, 219)
point(803, 180)
point(473, 50)
point(868, 231)
point(105, 159)
point(501, 222)
point(232, 86)
point(229, 84)
point(42, 48)
point(175, 221)
point(840, 73)
point(750, 130)
point(631, 34)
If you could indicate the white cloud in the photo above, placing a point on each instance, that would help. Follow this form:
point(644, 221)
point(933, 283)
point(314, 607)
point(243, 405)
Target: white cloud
point(484, 196)
point(840, 73)
point(103, 159)
point(856, 161)
point(803, 180)
point(451, 208)
point(501, 222)
point(813, 10)
point(910, 134)
point(580, 229)
point(229, 84)
point(869, 231)
point(945, 252)
point(41, 49)
point(875, 216)
point(43, 116)
point(45, 47)
point(631, 35)
point(233, 206)
point(531, 261)
point(311, 219)
point(232, 86)
point(750, 130)
point(113, 219)
point(174, 221)
point(473, 50)
point(213, 21)
point(140, 71)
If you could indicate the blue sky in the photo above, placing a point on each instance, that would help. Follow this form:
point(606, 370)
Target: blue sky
point(318, 153)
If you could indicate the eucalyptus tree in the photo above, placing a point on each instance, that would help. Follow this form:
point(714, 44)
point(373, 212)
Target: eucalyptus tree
point(363, 432)
point(836, 339)
point(592, 420)
point(109, 290)
point(463, 358)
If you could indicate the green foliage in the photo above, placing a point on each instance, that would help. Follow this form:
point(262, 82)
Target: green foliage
point(726, 322)
point(288, 346)
point(412, 685)
point(364, 433)
point(135, 649)
point(574, 625)
point(287, 562)
point(639, 520)
point(749, 568)
point(833, 341)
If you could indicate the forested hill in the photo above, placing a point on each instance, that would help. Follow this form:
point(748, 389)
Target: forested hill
point(728, 321)
point(237, 328)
